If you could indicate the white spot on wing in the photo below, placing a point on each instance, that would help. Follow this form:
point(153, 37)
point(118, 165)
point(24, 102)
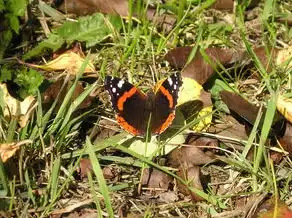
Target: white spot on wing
point(121, 83)
point(170, 81)
point(114, 90)
point(175, 87)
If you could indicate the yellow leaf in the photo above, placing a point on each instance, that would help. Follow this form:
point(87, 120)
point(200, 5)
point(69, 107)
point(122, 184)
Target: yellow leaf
point(15, 108)
point(191, 91)
point(284, 106)
point(7, 150)
point(285, 57)
point(70, 61)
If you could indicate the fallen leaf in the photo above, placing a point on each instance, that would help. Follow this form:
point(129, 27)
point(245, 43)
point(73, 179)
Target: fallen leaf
point(85, 167)
point(286, 139)
point(228, 5)
point(192, 176)
point(273, 208)
point(229, 127)
point(223, 5)
point(120, 7)
point(69, 61)
point(51, 93)
point(15, 108)
point(184, 155)
point(193, 100)
point(284, 106)
point(148, 149)
point(284, 57)
point(155, 179)
point(7, 150)
point(199, 69)
point(248, 112)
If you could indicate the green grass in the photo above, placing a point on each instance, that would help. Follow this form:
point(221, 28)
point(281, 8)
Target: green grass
point(40, 179)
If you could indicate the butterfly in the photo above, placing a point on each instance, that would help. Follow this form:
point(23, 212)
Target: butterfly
point(133, 108)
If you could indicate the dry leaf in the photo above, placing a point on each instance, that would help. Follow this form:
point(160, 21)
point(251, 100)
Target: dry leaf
point(185, 154)
point(7, 150)
point(85, 167)
point(69, 61)
point(53, 91)
point(195, 103)
point(284, 106)
point(284, 57)
point(155, 179)
point(192, 176)
point(120, 7)
point(15, 108)
point(199, 69)
point(273, 208)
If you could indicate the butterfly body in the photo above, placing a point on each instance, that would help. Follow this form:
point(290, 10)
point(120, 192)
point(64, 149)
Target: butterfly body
point(134, 109)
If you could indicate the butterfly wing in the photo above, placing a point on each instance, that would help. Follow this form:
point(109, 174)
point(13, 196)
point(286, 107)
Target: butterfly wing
point(164, 103)
point(129, 104)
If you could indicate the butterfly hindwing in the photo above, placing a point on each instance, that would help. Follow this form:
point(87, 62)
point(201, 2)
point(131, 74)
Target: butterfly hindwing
point(133, 107)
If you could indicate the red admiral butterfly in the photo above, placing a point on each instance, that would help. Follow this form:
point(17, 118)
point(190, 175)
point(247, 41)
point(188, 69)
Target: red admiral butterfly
point(133, 107)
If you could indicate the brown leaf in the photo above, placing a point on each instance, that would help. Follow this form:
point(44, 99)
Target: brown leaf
point(51, 93)
point(120, 7)
point(223, 5)
point(286, 140)
point(240, 106)
point(7, 150)
point(86, 7)
point(155, 179)
point(85, 167)
point(111, 173)
point(192, 176)
point(248, 112)
point(199, 69)
point(230, 128)
point(185, 154)
point(228, 5)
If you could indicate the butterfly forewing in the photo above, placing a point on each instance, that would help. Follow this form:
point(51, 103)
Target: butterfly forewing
point(129, 104)
point(165, 102)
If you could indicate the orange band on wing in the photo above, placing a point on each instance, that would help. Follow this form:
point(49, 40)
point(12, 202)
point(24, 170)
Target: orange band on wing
point(166, 123)
point(123, 123)
point(125, 96)
point(167, 95)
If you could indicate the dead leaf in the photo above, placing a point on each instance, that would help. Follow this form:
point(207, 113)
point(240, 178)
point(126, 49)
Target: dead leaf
point(195, 103)
point(184, 155)
point(111, 173)
point(199, 69)
point(286, 140)
point(223, 5)
point(248, 112)
point(192, 176)
point(7, 150)
point(228, 5)
point(229, 127)
point(273, 208)
point(155, 179)
point(85, 167)
point(120, 7)
point(284, 106)
point(284, 57)
point(51, 93)
point(70, 61)
point(15, 108)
